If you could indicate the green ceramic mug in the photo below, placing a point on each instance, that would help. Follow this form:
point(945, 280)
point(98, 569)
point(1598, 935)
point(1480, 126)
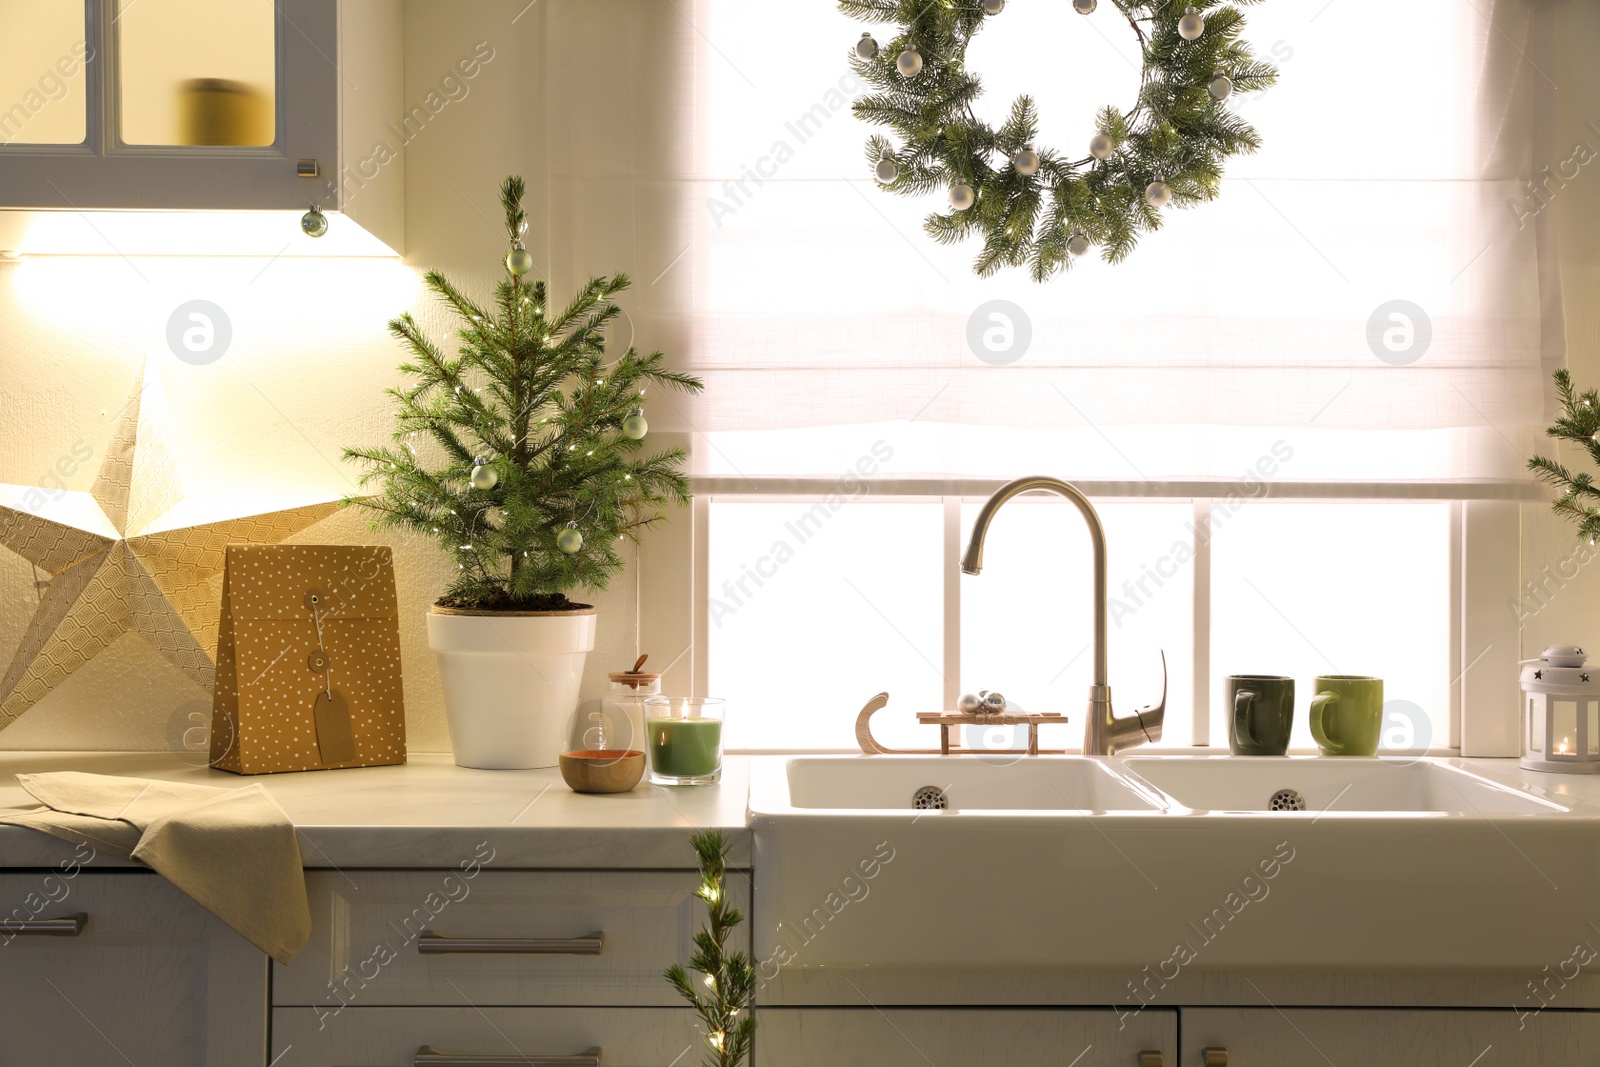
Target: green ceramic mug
point(1263, 714)
point(1347, 714)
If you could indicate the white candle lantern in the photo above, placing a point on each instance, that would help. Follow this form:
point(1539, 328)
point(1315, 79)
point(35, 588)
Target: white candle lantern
point(1561, 712)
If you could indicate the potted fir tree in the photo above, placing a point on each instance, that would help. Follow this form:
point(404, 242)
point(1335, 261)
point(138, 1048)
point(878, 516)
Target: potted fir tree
point(522, 456)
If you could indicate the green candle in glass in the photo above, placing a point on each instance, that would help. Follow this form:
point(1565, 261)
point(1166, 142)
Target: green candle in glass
point(683, 737)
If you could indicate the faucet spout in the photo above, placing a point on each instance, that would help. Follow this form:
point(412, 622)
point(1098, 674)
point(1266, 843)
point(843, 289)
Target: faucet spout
point(1103, 733)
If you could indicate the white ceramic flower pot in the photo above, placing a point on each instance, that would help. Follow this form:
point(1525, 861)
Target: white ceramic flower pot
point(510, 683)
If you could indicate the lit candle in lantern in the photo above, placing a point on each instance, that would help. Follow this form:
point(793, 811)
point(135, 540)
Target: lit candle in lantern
point(1562, 748)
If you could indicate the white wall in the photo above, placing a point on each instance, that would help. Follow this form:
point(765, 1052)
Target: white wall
point(310, 354)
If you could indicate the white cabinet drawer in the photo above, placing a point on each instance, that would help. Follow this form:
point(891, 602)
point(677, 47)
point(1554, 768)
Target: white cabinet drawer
point(391, 1037)
point(496, 937)
point(1393, 1037)
point(151, 978)
point(962, 1037)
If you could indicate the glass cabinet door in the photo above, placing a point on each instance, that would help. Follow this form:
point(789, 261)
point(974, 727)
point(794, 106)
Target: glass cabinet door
point(44, 56)
point(197, 72)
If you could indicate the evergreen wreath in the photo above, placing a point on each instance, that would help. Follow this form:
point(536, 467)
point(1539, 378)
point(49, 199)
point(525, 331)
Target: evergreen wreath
point(1034, 206)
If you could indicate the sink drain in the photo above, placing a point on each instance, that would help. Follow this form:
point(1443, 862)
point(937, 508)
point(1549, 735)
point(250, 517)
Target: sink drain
point(929, 798)
point(1287, 800)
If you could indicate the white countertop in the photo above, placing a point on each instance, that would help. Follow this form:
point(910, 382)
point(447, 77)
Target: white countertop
point(429, 813)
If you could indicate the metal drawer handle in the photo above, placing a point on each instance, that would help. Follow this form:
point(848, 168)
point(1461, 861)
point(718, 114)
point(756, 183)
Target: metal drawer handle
point(1214, 1056)
point(71, 926)
point(429, 943)
point(1150, 1058)
point(428, 1055)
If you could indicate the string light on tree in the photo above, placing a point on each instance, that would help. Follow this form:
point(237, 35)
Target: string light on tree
point(1191, 26)
point(909, 62)
point(867, 47)
point(1026, 161)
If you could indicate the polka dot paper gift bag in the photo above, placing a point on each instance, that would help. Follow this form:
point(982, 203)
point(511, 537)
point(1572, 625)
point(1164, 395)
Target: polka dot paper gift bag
point(308, 660)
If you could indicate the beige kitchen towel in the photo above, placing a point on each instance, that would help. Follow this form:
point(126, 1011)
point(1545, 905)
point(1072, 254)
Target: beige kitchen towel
point(231, 849)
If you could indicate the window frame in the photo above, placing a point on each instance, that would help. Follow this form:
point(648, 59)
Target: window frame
point(1484, 640)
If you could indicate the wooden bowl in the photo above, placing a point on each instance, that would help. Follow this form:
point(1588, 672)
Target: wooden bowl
point(602, 770)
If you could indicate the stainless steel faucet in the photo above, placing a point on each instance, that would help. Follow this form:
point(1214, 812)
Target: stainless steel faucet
point(1103, 733)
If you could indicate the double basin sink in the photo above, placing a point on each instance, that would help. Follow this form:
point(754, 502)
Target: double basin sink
point(1165, 862)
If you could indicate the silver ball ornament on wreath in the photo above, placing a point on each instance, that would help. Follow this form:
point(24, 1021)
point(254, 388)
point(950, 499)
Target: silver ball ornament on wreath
point(993, 7)
point(519, 260)
point(484, 476)
point(887, 170)
point(1220, 87)
point(569, 540)
point(962, 196)
point(1191, 25)
point(634, 427)
point(1026, 161)
point(1078, 243)
point(867, 47)
point(1101, 146)
point(1084, 7)
point(1158, 193)
point(969, 704)
point(314, 223)
point(909, 62)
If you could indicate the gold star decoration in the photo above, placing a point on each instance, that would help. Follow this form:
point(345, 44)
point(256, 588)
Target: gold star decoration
point(129, 554)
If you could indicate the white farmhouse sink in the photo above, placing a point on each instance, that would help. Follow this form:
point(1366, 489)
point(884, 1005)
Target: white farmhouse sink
point(1090, 862)
point(1334, 787)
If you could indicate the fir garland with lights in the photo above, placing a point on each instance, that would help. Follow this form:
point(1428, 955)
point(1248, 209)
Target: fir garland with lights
point(520, 454)
point(1580, 424)
point(728, 978)
point(1033, 205)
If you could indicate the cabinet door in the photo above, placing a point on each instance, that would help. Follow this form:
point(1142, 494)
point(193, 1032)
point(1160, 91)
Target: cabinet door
point(397, 1037)
point(963, 1037)
point(1293, 1037)
point(151, 978)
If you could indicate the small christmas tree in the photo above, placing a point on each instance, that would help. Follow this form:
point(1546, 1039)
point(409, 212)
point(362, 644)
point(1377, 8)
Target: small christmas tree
point(1580, 424)
point(728, 977)
point(521, 455)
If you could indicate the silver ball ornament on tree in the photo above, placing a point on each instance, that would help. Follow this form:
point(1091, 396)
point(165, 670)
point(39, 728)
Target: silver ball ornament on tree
point(569, 540)
point(1084, 7)
point(1158, 193)
point(1191, 25)
point(887, 170)
point(634, 427)
point(314, 223)
point(484, 476)
point(969, 703)
point(1026, 161)
point(1078, 243)
point(867, 47)
point(909, 62)
point(962, 196)
point(519, 260)
point(993, 7)
point(1101, 146)
point(1220, 87)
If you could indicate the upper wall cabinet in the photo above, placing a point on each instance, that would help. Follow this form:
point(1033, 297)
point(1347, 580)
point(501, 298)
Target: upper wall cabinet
point(202, 105)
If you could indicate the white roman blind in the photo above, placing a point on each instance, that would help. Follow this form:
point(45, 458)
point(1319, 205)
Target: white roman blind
point(1393, 178)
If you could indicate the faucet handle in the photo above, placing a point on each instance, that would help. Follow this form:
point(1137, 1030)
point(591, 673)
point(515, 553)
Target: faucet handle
point(1153, 716)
